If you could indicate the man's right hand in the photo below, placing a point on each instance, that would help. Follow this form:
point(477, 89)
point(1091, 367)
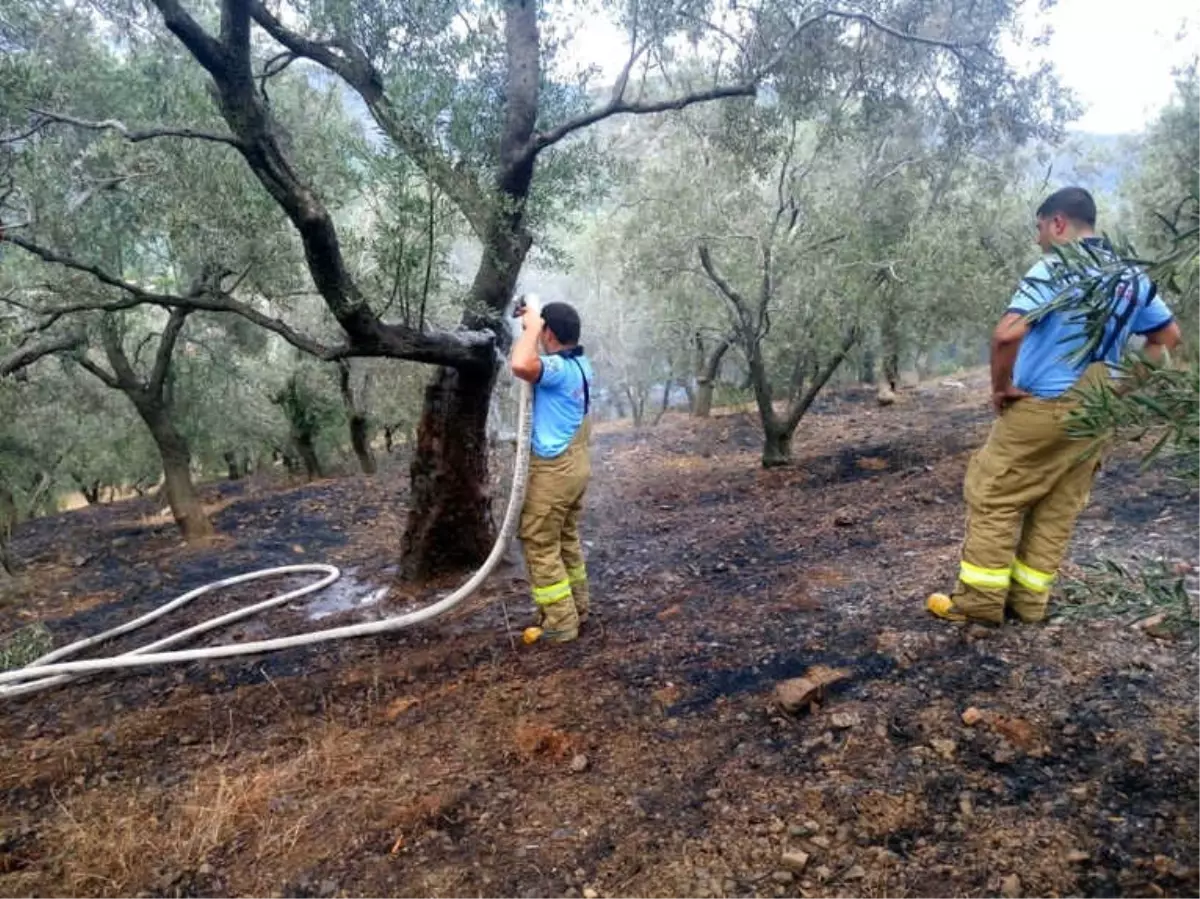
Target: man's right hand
point(1002, 399)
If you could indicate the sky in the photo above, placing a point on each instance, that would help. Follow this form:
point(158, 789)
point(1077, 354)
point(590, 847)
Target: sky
point(1115, 55)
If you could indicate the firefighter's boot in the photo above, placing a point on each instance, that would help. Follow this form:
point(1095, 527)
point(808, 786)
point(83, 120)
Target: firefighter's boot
point(558, 622)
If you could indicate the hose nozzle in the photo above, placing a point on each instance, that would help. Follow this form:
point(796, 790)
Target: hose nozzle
point(523, 302)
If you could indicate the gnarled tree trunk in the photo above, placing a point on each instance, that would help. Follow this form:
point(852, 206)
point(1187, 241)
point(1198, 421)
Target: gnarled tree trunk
point(176, 457)
point(449, 525)
point(706, 382)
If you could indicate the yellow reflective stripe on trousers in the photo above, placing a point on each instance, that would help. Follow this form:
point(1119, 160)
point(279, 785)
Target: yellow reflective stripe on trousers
point(545, 596)
point(1031, 578)
point(984, 578)
point(577, 574)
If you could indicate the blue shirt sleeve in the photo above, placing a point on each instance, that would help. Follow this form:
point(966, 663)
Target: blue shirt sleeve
point(554, 373)
point(1035, 290)
point(1153, 315)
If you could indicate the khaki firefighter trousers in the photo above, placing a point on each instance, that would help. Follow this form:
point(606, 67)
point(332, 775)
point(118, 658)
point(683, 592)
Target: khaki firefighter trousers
point(1024, 490)
point(550, 537)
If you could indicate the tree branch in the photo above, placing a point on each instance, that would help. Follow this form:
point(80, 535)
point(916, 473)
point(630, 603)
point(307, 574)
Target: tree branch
point(207, 49)
point(463, 348)
point(544, 139)
point(105, 377)
point(618, 106)
point(166, 348)
point(736, 301)
point(801, 406)
point(124, 375)
point(22, 135)
point(954, 47)
point(356, 70)
point(29, 353)
point(135, 136)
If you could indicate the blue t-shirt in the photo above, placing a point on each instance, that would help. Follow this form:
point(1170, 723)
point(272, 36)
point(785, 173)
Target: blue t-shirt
point(1045, 366)
point(558, 403)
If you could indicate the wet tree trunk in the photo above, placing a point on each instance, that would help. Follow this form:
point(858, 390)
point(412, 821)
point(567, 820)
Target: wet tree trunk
point(232, 465)
point(449, 527)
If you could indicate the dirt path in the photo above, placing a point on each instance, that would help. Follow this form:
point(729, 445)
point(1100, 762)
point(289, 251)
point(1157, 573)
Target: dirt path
point(647, 758)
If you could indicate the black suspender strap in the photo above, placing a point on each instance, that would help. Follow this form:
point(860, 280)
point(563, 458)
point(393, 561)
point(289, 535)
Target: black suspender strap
point(587, 399)
point(573, 354)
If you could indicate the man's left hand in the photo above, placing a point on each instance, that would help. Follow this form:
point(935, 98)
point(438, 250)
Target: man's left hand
point(1002, 399)
point(531, 315)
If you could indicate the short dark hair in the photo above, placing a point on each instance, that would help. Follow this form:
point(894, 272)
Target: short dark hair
point(1074, 203)
point(563, 322)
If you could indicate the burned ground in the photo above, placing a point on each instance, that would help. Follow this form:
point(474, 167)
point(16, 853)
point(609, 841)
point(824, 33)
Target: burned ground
point(647, 758)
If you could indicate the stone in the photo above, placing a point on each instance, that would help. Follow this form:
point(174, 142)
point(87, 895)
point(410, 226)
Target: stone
point(823, 873)
point(844, 720)
point(794, 694)
point(1075, 856)
point(1010, 887)
point(965, 805)
point(855, 873)
point(589, 893)
point(783, 876)
point(795, 860)
point(821, 842)
point(776, 826)
point(798, 830)
point(944, 748)
point(579, 763)
point(972, 716)
point(205, 870)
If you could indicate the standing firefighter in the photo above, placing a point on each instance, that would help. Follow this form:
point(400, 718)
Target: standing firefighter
point(1027, 485)
point(548, 355)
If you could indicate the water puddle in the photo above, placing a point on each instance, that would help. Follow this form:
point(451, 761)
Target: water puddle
point(346, 594)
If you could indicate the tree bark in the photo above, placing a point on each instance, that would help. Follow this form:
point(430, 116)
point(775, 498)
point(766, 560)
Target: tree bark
point(777, 447)
point(707, 381)
point(666, 400)
point(308, 455)
point(360, 441)
point(232, 465)
point(866, 366)
point(8, 518)
point(176, 458)
point(360, 434)
point(449, 526)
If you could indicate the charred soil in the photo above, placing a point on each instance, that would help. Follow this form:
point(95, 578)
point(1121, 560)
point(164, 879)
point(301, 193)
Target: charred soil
point(647, 758)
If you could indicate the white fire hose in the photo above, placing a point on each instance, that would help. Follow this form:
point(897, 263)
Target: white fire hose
point(47, 671)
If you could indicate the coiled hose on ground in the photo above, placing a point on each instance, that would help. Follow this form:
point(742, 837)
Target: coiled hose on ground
point(47, 671)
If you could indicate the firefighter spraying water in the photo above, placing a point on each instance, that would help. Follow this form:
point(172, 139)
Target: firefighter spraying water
point(1027, 485)
point(548, 356)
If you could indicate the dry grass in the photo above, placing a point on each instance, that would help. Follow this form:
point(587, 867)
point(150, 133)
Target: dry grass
point(285, 815)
